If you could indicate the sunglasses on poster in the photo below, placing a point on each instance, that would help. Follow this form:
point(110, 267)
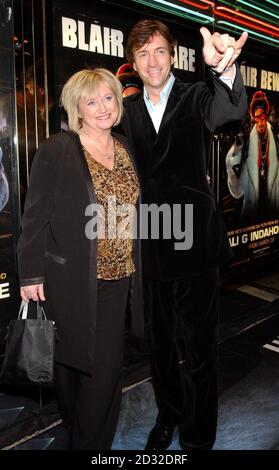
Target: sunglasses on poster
point(262, 117)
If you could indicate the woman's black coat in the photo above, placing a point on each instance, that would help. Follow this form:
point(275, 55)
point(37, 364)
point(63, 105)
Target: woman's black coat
point(54, 249)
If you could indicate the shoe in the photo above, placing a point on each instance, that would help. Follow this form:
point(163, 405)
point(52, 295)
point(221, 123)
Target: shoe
point(194, 447)
point(160, 437)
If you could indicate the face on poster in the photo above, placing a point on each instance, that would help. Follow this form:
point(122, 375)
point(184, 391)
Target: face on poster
point(250, 158)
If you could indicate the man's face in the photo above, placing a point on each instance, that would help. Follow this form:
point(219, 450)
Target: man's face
point(153, 62)
point(260, 120)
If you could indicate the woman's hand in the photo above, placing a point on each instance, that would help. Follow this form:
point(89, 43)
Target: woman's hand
point(34, 292)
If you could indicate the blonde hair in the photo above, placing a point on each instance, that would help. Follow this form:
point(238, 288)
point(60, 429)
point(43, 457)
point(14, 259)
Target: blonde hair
point(82, 84)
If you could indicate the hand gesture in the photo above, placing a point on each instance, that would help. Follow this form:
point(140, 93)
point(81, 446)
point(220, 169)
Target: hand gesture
point(220, 51)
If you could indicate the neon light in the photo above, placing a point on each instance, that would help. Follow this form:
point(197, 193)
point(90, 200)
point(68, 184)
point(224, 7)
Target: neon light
point(246, 23)
point(272, 2)
point(193, 4)
point(257, 15)
point(237, 13)
point(189, 13)
point(207, 2)
point(267, 12)
point(236, 16)
point(183, 9)
point(268, 39)
point(198, 5)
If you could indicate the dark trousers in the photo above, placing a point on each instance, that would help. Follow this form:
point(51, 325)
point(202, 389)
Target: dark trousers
point(90, 405)
point(184, 322)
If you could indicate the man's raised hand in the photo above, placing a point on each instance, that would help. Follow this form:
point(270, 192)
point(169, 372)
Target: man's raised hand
point(220, 51)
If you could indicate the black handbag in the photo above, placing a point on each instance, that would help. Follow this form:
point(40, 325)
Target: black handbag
point(29, 349)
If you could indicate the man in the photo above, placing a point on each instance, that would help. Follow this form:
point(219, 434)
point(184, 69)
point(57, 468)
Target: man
point(252, 166)
point(169, 125)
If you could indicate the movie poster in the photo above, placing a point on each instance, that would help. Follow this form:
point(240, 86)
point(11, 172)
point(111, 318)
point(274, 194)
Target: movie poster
point(98, 38)
point(249, 159)
point(244, 168)
point(9, 217)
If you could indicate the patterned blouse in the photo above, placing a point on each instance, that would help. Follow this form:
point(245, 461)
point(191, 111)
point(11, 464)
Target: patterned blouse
point(117, 191)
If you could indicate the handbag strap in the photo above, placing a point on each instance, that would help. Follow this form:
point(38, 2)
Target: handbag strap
point(22, 314)
point(23, 311)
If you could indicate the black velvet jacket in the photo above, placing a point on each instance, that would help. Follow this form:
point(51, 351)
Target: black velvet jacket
point(172, 166)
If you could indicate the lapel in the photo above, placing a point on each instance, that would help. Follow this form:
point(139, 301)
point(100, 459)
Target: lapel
point(141, 133)
point(252, 162)
point(85, 169)
point(175, 99)
point(163, 140)
point(143, 119)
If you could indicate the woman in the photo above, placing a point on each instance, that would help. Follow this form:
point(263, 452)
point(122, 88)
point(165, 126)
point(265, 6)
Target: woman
point(84, 280)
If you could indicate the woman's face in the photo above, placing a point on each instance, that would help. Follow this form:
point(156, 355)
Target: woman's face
point(99, 111)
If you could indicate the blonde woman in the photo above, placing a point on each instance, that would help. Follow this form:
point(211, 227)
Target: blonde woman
point(84, 275)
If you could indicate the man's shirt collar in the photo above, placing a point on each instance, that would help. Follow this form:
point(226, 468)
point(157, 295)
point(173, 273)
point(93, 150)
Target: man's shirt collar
point(164, 93)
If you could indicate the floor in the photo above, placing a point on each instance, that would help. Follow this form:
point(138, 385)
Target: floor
point(248, 394)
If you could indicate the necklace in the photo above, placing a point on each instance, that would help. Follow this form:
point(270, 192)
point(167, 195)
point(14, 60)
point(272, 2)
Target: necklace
point(109, 154)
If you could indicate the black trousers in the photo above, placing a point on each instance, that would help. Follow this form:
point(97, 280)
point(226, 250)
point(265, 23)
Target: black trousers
point(90, 405)
point(183, 317)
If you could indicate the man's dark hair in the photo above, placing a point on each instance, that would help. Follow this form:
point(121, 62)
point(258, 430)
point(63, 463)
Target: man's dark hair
point(141, 34)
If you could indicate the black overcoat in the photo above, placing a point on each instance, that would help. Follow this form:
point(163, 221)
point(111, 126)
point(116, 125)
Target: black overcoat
point(173, 166)
point(54, 249)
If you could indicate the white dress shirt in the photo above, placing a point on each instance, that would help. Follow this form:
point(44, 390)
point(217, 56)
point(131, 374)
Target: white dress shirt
point(156, 111)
